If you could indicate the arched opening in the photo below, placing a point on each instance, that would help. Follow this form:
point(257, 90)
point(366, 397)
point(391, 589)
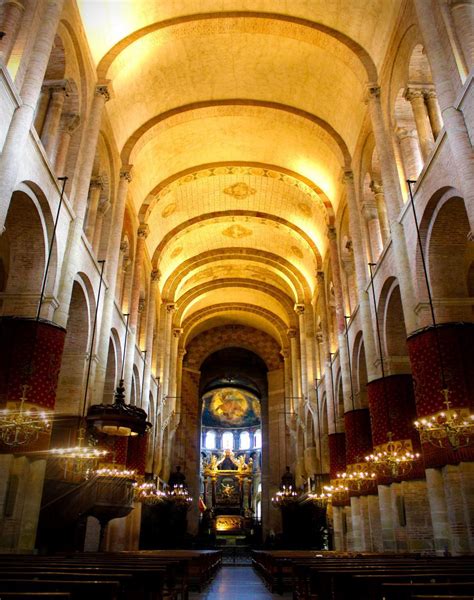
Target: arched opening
point(69, 400)
point(20, 276)
point(233, 388)
point(450, 260)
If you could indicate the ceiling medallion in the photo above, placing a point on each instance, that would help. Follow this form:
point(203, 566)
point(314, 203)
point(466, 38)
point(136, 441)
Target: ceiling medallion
point(296, 251)
point(168, 210)
point(236, 232)
point(240, 190)
point(176, 252)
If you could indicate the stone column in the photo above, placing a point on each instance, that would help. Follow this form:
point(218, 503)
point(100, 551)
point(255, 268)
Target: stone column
point(417, 100)
point(439, 510)
point(111, 268)
point(95, 189)
point(104, 206)
point(454, 123)
point(300, 310)
point(394, 203)
point(410, 150)
point(463, 17)
point(59, 91)
point(434, 114)
point(377, 189)
point(341, 326)
point(295, 390)
point(177, 332)
point(22, 119)
point(9, 25)
point(168, 322)
point(71, 123)
point(361, 269)
point(287, 374)
point(351, 286)
point(72, 255)
point(369, 211)
point(142, 234)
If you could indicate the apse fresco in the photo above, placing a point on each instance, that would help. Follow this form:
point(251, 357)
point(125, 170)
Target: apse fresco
point(230, 407)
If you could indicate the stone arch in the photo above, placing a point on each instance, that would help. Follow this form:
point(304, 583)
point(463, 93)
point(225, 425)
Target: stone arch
point(359, 371)
point(394, 335)
point(23, 252)
point(449, 255)
point(69, 398)
point(226, 336)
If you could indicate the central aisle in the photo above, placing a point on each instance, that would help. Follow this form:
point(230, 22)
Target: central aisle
point(236, 583)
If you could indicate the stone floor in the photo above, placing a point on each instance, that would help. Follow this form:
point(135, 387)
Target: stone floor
point(236, 583)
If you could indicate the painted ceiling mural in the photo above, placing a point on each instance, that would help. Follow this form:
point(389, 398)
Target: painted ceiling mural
point(230, 407)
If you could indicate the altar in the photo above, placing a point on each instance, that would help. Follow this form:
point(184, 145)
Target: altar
point(228, 488)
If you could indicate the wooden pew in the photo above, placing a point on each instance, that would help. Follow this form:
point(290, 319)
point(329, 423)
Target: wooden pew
point(406, 591)
point(78, 590)
point(33, 596)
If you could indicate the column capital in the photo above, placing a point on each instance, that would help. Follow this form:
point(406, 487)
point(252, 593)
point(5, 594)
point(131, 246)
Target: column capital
point(97, 182)
point(299, 309)
point(348, 177)
point(103, 90)
point(126, 173)
point(320, 277)
point(181, 353)
point(285, 353)
point(411, 93)
point(57, 86)
point(376, 187)
point(124, 246)
point(177, 332)
point(141, 305)
point(170, 307)
point(292, 332)
point(155, 276)
point(143, 231)
point(331, 232)
point(373, 90)
point(430, 93)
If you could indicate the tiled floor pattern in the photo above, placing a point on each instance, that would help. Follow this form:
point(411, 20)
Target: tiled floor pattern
point(236, 583)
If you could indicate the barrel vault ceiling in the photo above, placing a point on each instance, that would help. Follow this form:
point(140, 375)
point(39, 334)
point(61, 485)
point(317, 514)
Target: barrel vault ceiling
point(238, 117)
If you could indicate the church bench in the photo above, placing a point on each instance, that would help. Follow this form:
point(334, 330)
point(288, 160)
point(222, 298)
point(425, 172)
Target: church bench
point(407, 591)
point(370, 586)
point(325, 579)
point(78, 590)
point(35, 596)
point(470, 597)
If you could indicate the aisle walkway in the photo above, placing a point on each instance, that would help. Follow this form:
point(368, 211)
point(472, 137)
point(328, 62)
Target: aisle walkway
point(236, 583)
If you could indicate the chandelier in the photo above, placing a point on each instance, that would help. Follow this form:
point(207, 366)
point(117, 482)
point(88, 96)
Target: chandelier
point(285, 497)
point(453, 425)
point(116, 472)
point(79, 461)
point(179, 496)
point(320, 498)
point(19, 427)
point(338, 491)
point(148, 493)
point(357, 478)
point(393, 459)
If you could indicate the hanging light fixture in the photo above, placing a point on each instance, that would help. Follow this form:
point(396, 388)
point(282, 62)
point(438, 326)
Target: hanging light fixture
point(394, 458)
point(20, 426)
point(452, 428)
point(179, 496)
point(81, 460)
point(148, 493)
point(287, 496)
point(119, 419)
